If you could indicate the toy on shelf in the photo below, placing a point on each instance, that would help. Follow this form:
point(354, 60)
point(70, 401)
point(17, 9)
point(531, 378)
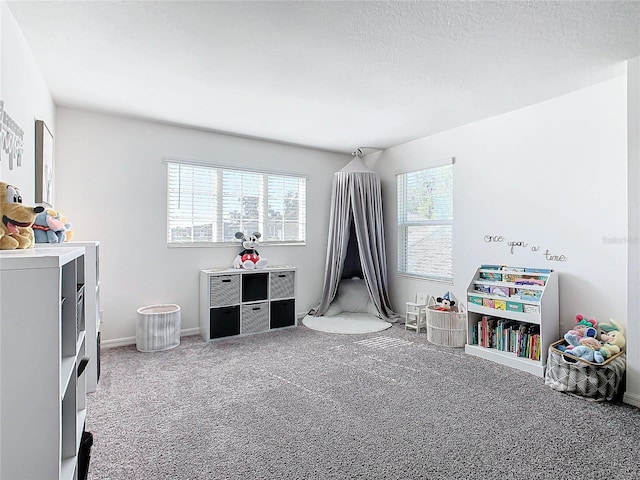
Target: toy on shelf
point(51, 227)
point(15, 229)
point(249, 258)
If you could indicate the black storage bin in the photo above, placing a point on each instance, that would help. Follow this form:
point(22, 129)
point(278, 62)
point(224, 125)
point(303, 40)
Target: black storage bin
point(283, 313)
point(224, 321)
point(255, 286)
point(84, 455)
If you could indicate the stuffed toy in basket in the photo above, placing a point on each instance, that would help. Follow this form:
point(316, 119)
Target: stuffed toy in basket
point(590, 370)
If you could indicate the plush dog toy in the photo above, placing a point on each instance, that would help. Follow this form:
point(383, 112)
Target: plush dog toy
point(50, 227)
point(15, 229)
point(249, 258)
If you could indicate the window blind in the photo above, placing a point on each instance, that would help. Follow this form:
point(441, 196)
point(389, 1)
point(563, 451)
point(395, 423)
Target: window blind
point(209, 204)
point(425, 223)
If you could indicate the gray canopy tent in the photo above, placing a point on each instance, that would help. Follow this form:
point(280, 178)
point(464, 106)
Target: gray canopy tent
point(356, 237)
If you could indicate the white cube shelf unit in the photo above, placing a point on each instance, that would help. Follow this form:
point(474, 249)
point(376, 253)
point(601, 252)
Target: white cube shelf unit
point(93, 312)
point(515, 301)
point(43, 340)
point(244, 302)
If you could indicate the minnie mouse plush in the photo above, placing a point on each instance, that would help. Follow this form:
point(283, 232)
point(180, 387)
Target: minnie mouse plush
point(249, 258)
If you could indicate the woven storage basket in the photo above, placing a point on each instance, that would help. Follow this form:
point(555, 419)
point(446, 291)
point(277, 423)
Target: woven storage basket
point(158, 328)
point(579, 377)
point(447, 328)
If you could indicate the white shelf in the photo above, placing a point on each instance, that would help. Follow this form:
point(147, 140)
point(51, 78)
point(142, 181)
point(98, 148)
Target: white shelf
point(67, 368)
point(43, 404)
point(79, 341)
point(68, 468)
point(547, 317)
point(506, 358)
point(502, 297)
point(235, 301)
point(91, 280)
point(482, 281)
point(494, 312)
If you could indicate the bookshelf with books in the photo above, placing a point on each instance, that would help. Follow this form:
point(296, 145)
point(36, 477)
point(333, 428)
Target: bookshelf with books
point(513, 315)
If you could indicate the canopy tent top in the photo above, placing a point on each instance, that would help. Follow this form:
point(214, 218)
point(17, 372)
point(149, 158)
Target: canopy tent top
point(355, 165)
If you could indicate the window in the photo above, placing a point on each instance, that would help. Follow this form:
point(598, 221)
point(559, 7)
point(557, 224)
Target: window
point(209, 204)
point(425, 223)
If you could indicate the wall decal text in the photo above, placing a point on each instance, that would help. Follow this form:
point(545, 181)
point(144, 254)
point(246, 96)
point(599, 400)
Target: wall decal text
point(513, 244)
point(11, 138)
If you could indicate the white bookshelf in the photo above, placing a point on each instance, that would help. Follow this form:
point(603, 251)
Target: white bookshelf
point(43, 338)
point(542, 311)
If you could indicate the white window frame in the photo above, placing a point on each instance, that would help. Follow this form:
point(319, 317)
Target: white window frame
point(217, 214)
point(404, 225)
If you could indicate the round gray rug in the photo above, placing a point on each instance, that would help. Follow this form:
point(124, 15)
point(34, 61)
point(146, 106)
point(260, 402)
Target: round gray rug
point(346, 322)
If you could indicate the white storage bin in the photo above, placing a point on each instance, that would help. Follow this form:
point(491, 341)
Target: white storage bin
point(158, 328)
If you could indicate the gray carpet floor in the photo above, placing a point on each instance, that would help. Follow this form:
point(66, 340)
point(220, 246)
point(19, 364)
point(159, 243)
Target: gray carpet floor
point(303, 404)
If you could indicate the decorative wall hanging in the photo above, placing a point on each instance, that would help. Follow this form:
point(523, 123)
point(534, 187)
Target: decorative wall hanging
point(44, 164)
point(512, 244)
point(11, 138)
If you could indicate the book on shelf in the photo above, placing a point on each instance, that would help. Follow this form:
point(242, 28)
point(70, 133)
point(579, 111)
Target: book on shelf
point(513, 269)
point(529, 280)
point(527, 294)
point(519, 338)
point(491, 276)
point(538, 270)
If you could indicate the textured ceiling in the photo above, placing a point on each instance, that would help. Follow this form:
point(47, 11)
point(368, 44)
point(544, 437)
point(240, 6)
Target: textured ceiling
point(331, 75)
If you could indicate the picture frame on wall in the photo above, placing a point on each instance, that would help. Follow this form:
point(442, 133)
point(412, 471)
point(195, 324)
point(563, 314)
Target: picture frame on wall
point(44, 164)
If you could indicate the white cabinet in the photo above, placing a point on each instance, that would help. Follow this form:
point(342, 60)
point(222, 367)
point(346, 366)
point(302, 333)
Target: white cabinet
point(243, 302)
point(43, 339)
point(513, 316)
point(93, 313)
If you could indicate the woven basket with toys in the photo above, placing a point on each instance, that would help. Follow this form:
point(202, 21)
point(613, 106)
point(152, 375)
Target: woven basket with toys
point(589, 361)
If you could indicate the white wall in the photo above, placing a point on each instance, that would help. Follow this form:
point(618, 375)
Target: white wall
point(632, 394)
point(553, 175)
point(111, 185)
point(26, 98)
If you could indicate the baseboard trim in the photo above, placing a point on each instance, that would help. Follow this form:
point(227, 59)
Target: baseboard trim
point(631, 399)
point(124, 341)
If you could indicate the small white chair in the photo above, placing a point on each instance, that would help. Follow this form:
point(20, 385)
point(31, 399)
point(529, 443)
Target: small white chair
point(416, 315)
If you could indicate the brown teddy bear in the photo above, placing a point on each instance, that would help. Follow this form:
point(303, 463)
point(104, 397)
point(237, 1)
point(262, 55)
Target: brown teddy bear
point(15, 229)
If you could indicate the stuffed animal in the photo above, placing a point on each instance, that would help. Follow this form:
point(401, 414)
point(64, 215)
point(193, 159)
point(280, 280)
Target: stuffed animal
point(249, 258)
point(583, 328)
point(445, 303)
point(68, 233)
point(613, 338)
point(589, 350)
point(15, 229)
point(50, 227)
